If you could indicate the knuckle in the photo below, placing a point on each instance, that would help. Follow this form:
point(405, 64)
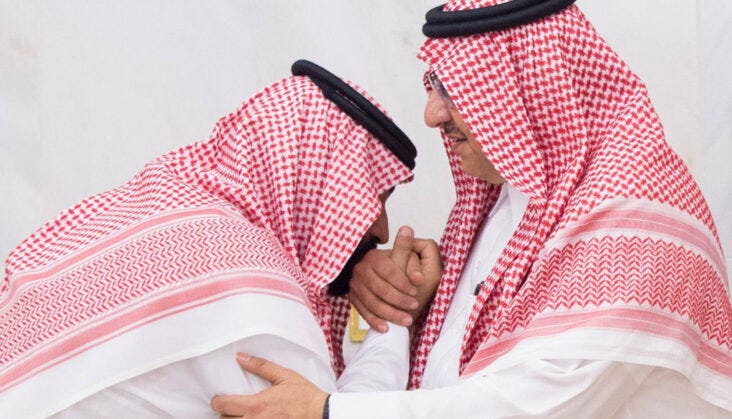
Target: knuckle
point(220, 405)
point(355, 299)
point(356, 303)
point(383, 311)
point(399, 300)
point(354, 289)
point(403, 301)
point(390, 294)
point(389, 270)
point(380, 288)
point(398, 282)
point(372, 256)
point(368, 299)
point(359, 270)
point(402, 243)
point(390, 314)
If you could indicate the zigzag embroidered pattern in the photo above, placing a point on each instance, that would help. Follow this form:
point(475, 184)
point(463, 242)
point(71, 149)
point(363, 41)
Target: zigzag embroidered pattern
point(154, 264)
point(648, 274)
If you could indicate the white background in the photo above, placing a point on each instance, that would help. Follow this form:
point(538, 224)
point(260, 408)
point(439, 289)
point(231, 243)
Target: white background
point(91, 90)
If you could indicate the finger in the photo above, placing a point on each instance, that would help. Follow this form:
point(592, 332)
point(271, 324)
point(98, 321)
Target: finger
point(374, 322)
point(395, 276)
point(230, 406)
point(368, 305)
point(414, 270)
point(382, 309)
point(428, 252)
point(378, 263)
point(356, 300)
point(386, 292)
point(263, 368)
point(402, 247)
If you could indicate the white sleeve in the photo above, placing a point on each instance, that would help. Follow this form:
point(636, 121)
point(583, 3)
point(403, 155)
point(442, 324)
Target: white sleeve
point(380, 364)
point(532, 389)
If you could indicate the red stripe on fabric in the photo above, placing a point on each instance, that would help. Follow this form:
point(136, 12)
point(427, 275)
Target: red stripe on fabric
point(636, 219)
point(635, 320)
point(147, 312)
point(103, 245)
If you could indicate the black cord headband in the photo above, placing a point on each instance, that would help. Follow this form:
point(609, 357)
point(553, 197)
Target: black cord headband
point(360, 110)
point(441, 24)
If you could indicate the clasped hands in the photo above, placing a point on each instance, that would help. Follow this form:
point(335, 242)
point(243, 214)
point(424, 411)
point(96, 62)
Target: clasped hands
point(396, 285)
point(387, 285)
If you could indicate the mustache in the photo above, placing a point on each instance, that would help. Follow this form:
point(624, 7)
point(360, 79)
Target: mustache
point(450, 129)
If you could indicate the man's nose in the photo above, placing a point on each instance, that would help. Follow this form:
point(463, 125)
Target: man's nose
point(436, 111)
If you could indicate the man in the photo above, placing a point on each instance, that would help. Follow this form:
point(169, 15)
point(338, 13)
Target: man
point(134, 302)
point(583, 276)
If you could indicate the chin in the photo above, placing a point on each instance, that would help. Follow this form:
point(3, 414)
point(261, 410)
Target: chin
point(474, 174)
point(493, 178)
point(489, 178)
point(466, 170)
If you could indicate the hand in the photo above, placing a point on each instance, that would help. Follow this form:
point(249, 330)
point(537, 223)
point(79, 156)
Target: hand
point(390, 285)
point(291, 395)
point(426, 276)
point(380, 289)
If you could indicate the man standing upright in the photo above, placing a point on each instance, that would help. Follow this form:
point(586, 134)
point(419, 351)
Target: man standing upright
point(583, 275)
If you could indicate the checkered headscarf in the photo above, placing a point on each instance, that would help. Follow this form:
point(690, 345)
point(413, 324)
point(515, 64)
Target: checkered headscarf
point(287, 185)
point(616, 229)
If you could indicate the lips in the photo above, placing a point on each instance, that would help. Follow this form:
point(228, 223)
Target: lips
point(455, 136)
point(456, 142)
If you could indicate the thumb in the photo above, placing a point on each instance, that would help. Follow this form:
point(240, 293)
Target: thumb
point(263, 368)
point(403, 245)
point(414, 269)
point(428, 252)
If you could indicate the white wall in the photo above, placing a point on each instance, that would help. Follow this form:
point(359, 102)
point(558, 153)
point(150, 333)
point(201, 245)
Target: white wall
point(89, 91)
point(714, 170)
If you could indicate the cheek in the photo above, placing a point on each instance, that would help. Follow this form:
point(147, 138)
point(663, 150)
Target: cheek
point(474, 153)
point(471, 164)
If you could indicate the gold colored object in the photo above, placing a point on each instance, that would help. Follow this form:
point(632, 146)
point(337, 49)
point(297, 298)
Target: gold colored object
point(356, 334)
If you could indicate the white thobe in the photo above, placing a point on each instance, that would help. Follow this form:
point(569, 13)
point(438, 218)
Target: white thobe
point(538, 388)
point(184, 389)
